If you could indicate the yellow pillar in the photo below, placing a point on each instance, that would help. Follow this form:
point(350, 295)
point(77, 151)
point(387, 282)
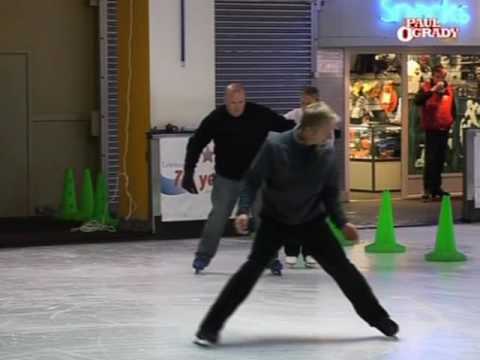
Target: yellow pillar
point(134, 98)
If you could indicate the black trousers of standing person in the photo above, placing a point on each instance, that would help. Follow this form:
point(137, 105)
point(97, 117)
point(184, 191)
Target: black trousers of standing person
point(325, 249)
point(436, 144)
point(293, 247)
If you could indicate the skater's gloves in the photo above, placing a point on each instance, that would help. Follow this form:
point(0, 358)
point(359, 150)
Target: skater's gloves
point(188, 183)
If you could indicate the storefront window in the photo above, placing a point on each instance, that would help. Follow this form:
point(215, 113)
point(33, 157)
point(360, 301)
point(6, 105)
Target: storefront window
point(463, 73)
point(375, 122)
point(375, 89)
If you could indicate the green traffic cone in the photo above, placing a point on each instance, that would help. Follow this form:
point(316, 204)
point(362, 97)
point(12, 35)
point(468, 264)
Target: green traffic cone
point(101, 212)
point(385, 241)
point(68, 208)
point(339, 234)
point(445, 246)
point(87, 200)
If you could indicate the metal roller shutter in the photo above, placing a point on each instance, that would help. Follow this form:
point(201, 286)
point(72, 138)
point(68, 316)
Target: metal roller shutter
point(267, 45)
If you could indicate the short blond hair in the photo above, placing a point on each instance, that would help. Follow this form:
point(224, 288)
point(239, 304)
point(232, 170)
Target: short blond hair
point(317, 115)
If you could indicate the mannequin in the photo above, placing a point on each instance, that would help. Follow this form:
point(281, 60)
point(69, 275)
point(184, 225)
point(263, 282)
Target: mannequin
point(470, 117)
point(414, 74)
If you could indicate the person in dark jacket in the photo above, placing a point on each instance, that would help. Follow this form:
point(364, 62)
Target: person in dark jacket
point(296, 173)
point(292, 247)
point(238, 130)
point(437, 99)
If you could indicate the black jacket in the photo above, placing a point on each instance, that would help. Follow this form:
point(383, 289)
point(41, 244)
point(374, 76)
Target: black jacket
point(237, 140)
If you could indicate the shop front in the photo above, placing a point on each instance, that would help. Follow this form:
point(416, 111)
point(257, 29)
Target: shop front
point(385, 50)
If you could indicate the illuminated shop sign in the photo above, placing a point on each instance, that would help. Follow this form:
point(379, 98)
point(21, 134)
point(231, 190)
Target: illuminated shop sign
point(425, 28)
point(445, 11)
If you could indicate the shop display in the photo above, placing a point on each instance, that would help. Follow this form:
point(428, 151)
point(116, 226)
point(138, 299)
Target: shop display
point(470, 118)
point(376, 64)
point(375, 116)
point(389, 98)
point(375, 142)
point(375, 154)
point(375, 89)
point(375, 103)
point(420, 162)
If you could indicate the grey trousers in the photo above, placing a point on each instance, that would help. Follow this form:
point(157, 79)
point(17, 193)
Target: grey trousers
point(224, 196)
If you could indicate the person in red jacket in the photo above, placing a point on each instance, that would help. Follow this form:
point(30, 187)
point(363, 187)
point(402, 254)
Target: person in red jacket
point(437, 99)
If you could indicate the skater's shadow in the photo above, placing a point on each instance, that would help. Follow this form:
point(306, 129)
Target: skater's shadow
point(302, 340)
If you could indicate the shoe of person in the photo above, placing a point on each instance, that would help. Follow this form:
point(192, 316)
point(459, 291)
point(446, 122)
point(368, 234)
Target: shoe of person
point(276, 267)
point(205, 339)
point(427, 197)
point(310, 262)
point(291, 261)
point(441, 193)
point(199, 264)
point(387, 326)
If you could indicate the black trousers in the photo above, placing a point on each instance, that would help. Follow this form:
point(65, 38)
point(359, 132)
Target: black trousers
point(293, 247)
point(325, 249)
point(436, 144)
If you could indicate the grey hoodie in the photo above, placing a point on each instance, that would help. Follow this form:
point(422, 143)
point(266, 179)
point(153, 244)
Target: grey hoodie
point(299, 181)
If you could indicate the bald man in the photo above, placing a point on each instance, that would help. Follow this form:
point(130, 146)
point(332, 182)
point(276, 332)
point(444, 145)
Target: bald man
point(238, 129)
